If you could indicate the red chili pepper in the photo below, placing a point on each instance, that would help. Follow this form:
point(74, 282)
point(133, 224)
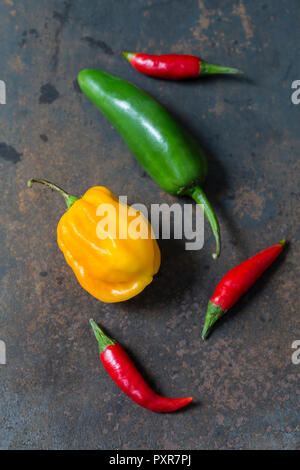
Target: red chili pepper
point(174, 66)
point(123, 372)
point(236, 282)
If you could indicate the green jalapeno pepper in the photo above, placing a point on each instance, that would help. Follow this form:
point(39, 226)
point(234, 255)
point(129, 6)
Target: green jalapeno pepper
point(172, 157)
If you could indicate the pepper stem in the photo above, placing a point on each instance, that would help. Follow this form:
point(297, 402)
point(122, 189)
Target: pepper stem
point(103, 340)
point(213, 313)
point(68, 197)
point(211, 69)
point(199, 196)
point(128, 55)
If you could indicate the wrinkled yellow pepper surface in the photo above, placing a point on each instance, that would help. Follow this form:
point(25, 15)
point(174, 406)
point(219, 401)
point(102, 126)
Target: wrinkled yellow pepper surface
point(109, 267)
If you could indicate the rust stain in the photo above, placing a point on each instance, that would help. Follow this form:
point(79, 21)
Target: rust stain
point(179, 48)
point(249, 203)
point(17, 65)
point(197, 33)
point(288, 291)
point(151, 42)
point(242, 378)
point(204, 20)
point(240, 10)
point(22, 100)
point(219, 107)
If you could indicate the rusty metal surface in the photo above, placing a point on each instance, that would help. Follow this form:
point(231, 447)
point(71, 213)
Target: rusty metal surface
point(54, 393)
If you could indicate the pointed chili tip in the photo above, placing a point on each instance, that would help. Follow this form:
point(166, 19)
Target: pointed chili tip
point(128, 55)
point(29, 182)
point(283, 242)
point(205, 332)
point(182, 402)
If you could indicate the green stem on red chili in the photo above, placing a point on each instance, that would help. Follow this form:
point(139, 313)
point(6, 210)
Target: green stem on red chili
point(175, 66)
point(124, 373)
point(236, 283)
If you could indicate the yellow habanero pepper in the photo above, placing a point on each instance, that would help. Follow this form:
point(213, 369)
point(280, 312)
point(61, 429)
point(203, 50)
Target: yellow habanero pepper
point(111, 265)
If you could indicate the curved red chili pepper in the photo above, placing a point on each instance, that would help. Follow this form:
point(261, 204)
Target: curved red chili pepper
point(123, 372)
point(174, 66)
point(236, 282)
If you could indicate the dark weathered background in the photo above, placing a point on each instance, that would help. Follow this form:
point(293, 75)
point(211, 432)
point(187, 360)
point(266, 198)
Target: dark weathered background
point(54, 393)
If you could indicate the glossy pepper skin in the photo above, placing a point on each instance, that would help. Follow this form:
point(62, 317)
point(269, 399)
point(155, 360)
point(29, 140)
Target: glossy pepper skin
point(174, 66)
point(110, 269)
point(171, 156)
point(124, 373)
point(236, 283)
